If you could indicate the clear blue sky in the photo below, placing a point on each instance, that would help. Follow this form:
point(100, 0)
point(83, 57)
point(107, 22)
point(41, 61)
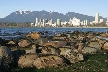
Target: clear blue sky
point(87, 7)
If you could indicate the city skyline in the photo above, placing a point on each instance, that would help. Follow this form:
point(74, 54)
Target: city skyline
point(83, 7)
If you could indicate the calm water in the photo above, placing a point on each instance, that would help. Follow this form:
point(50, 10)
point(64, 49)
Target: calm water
point(17, 32)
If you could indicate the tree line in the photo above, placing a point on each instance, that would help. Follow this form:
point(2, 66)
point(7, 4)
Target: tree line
point(14, 24)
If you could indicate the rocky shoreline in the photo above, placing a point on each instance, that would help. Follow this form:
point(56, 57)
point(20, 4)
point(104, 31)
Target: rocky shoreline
point(38, 51)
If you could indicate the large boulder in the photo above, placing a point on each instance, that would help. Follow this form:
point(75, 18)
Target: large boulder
point(4, 51)
point(41, 41)
point(89, 50)
point(56, 43)
point(6, 57)
point(105, 46)
point(101, 42)
point(74, 57)
point(31, 51)
point(50, 50)
point(48, 61)
point(71, 54)
point(24, 43)
point(104, 35)
point(33, 35)
point(27, 60)
point(95, 45)
point(65, 50)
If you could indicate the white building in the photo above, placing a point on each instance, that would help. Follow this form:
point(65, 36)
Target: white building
point(50, 22)
point(37, 21)
point(101, 20)
point(70, 22)
point(58, 22)
point(86, 22)
point(76, 22)
point(97, 18)
point(32, 24)
point(54, 25)
point(43, 22)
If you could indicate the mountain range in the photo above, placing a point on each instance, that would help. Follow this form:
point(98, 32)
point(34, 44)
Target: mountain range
point(30, 16)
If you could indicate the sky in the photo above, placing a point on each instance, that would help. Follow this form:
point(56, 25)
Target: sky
point(86, 7)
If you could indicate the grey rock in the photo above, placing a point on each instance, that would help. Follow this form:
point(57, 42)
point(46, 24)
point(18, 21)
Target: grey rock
point(89, 50)
point(27, 60)
point(50, 50)
point(48, 61)
point(33, 50)
point(71, 54)
point(94, 45)
point(6, 57)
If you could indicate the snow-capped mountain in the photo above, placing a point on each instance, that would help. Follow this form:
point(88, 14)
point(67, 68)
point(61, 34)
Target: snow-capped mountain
point(30, 16)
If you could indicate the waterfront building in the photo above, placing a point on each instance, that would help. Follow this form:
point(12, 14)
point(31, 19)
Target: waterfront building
point(43, 22)
point(82, 23)
point(58, 22)
point(32, 24)
point(97, 18)
point(76, 22)
point(37, 21)
point(70, 22)
point(50, 22)
point(101, 20)
point(54, 25)
point(86, 22)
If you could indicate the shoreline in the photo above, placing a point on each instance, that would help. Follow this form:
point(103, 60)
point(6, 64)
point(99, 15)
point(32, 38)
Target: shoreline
point(53, 27)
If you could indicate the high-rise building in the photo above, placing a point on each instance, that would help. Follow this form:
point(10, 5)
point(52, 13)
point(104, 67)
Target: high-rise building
point(97, 18)
point(37, 21)
point(101, 20)
point(76, 22)
point(86, 22)
point(58, 22)
point(43, 22)
point(70, 22)
point(50, 22)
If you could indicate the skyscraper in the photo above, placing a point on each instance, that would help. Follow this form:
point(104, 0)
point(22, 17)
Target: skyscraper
point(86, 22)
point(37, 21)
point(36, 24)
point(97, 18)
point(58, 22)
point(70, 22)
point(43, 22)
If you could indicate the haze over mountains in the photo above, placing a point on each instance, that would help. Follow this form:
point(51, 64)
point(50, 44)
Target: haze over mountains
point(30, 16)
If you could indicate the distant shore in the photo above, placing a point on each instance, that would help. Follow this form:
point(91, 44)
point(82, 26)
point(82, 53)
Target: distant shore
point(53, 27)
